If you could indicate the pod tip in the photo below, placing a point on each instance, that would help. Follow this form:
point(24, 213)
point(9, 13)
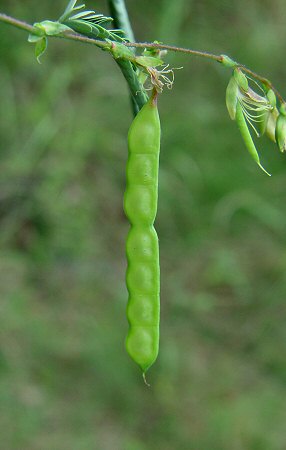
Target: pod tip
point(144, 379)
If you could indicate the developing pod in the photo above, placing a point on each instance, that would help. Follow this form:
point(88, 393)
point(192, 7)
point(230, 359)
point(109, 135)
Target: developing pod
point(280, 131)
point(142, 248)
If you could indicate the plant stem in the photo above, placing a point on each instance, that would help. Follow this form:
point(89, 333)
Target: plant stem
point(106, 46)
point(71, 36)
point(139, 96)
point(121, 21)
point(189, 51)
point(218, 58)
point(18, 23)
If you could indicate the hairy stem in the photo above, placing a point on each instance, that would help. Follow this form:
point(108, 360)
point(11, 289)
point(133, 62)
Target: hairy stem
point(174, 49)
point(218, 58)
point(71, 36)
point(18, 23)
point(106, 46)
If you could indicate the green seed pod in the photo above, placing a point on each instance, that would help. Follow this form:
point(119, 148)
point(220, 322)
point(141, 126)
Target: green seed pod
point(268, 118)
point(231, 97)
point(280, 132)
point(142, 247)
point(243, 128)
point(241, 79)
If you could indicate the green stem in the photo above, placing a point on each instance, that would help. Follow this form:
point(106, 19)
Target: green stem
point(139, 95)
point(121, 21)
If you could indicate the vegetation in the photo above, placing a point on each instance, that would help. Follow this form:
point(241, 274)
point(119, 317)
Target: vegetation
point(65, 379)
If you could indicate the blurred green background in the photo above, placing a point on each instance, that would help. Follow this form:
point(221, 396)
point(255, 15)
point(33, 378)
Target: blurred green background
point(66, 382)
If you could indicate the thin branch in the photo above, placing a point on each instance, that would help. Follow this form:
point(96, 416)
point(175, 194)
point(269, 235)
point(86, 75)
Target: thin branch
point(218, 58)
point(126, 67)
point(172, 48)
point(105, 46)
point(264, 81)
point(18, 24)
point(34, 30)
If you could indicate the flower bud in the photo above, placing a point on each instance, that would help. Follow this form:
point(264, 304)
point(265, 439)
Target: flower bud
point(268, 120)
point(271, 124)
point(231, 97)
point(241, 79)
point(280, 132)
point(226, 61)
point(271, 97)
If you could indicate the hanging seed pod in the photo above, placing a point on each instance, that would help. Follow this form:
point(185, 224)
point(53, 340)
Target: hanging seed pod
point(243, 128)
point(142, 246)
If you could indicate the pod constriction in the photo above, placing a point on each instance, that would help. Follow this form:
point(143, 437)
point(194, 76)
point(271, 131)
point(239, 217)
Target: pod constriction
point(142, 248)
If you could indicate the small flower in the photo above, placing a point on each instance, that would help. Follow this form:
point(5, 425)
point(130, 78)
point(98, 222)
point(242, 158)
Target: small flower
point(161, 78)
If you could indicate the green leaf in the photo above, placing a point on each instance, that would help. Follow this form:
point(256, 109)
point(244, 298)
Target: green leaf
point(37, 34)
point(40, 48)
point(69, 9)
point(85, 28)
point(34, 38)
point(148, 61)
point(87, 15)
point(119, 50)
point(51, 28)
point(70, 6)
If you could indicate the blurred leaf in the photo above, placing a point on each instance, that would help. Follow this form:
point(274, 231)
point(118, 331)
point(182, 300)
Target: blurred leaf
point(40, 48)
